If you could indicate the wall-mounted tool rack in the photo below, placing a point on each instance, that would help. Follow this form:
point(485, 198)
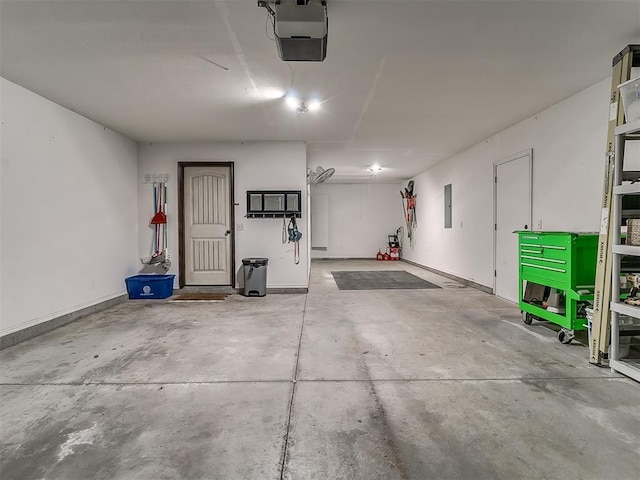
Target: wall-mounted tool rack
point(274, 203)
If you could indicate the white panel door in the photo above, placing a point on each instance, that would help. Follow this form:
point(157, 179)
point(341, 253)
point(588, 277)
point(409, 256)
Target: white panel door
point(207, 226)
point(512, 213)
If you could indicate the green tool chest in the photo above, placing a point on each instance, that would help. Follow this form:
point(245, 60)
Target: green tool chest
point(564, 261)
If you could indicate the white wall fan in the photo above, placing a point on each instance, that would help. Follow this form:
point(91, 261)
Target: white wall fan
point(319, 175)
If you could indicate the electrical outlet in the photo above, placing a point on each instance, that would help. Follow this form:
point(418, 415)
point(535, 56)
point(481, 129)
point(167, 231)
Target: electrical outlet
point(539, 225)
point(239, 227)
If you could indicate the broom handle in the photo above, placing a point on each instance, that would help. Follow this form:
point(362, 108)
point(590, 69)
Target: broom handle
point(155, 198)
point(166, 233)
point(166, 236)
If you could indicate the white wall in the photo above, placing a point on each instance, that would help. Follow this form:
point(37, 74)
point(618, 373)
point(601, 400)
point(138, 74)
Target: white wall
point(257, 166)
point(68, 203)
point(568, 142)
point(360, 218)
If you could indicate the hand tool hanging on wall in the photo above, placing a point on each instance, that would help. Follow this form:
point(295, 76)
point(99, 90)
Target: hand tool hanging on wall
point(285, 235)
point(159, 220)
point(164, 227)
point(294, 236)
point(160, 255)
point(409, 209)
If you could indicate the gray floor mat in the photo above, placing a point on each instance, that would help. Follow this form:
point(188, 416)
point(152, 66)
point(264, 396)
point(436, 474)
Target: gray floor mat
point(379, 280)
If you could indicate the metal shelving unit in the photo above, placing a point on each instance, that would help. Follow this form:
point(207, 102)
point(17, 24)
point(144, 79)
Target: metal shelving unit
point(626, 366)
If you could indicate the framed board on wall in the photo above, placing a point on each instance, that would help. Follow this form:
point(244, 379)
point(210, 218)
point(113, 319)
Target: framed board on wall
point(274, 203)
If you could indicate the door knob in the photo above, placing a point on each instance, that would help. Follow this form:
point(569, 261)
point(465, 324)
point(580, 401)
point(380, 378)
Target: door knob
point(226, 234)
point(526, 227)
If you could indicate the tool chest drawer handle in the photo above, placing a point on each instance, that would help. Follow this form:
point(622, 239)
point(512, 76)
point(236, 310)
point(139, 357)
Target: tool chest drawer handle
point(561, 270)
point(553, 247)
point(543, 259)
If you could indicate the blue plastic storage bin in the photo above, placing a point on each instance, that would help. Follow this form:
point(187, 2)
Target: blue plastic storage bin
point(149, 286)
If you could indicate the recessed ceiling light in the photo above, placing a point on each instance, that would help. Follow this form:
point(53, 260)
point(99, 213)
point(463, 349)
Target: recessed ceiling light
point(375, 168)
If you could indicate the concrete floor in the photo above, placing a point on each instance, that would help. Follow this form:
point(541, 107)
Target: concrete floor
point(394, 384)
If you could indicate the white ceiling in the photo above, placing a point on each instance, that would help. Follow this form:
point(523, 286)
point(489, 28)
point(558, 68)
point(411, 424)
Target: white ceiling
point(406, 84)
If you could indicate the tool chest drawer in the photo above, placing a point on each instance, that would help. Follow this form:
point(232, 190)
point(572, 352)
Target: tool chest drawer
point(560, 259)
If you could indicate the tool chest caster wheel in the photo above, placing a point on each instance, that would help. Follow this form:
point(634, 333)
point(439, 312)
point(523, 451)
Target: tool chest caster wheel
point(565, 336)
point(527, 318)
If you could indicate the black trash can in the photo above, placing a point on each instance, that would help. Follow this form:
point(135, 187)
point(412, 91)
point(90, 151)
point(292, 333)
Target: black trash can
point(255, 276)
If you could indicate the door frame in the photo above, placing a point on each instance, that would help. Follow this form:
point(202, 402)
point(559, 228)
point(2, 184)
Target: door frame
point(232, 226)
point(528, 152)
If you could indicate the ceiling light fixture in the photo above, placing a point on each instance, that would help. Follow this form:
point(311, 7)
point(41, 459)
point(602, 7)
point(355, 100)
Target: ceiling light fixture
point(375, 169)
point(302, 107)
